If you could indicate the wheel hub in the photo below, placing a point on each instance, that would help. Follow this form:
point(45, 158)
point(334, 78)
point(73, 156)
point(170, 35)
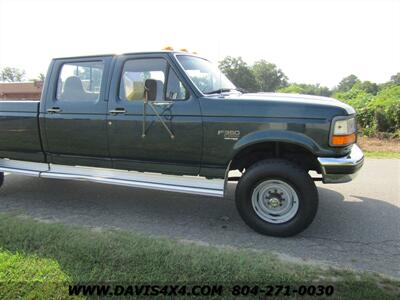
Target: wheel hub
point(275, 201)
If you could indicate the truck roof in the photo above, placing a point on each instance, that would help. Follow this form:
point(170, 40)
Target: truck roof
point(128, 53)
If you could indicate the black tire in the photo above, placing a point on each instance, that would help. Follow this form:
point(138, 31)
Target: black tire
point(1, 178)
point(289, 173)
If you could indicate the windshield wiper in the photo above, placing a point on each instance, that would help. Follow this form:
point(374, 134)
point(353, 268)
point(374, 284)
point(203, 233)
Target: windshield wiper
point(219, 91)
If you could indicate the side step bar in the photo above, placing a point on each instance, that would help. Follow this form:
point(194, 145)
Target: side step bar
point(182, 184)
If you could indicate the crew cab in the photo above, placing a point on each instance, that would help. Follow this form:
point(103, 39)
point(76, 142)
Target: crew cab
point(172, 121)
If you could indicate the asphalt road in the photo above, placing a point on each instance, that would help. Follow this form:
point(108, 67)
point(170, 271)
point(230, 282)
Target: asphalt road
point(357, 225)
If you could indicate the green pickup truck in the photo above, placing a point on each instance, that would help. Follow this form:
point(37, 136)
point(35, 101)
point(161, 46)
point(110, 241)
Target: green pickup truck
point(172, 121)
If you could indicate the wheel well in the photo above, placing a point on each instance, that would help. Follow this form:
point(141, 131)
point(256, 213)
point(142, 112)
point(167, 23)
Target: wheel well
point(292, 152)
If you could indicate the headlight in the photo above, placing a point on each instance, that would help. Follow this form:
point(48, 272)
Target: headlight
point(342, 127)
point(343, 132)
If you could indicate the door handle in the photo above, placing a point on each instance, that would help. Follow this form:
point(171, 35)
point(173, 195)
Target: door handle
point(118, 111)
point(162, 103)
point(54, 110)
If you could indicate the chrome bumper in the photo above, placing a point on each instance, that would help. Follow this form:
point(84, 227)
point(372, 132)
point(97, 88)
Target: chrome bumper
point(341, 169)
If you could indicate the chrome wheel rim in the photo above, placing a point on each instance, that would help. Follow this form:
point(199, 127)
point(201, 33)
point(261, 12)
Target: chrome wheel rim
point(275, 201)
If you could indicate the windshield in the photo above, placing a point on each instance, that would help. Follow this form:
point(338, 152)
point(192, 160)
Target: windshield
point(207, 77)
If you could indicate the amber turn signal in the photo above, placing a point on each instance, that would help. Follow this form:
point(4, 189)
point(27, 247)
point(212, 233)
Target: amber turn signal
point(343, 140)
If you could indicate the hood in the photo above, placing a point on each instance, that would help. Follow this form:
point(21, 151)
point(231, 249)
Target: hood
point(274, 105)
point(294, 99)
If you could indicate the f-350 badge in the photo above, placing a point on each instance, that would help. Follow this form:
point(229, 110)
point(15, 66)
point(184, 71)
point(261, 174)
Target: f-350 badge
point(230, 134)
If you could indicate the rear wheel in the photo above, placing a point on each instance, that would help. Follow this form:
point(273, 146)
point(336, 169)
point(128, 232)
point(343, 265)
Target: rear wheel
point(1, 178)
point(276, 197)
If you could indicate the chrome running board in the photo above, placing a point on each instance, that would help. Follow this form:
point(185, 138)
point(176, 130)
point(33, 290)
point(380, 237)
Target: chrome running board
point(22, 167)
point(182, 184)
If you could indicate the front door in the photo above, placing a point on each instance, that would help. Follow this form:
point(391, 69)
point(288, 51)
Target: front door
point(75, 113)
point(163, 136)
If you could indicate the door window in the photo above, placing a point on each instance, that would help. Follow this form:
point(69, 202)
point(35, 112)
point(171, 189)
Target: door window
point(134, 75)
point(136, 71)
point(175, 88)
point(80, 81)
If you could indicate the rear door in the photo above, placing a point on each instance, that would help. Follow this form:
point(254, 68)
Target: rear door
point(139, 139)
point(75, 112)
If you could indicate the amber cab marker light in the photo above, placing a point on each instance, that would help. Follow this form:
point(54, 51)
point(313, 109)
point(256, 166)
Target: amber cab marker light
point(343, 140)
point(168, 48)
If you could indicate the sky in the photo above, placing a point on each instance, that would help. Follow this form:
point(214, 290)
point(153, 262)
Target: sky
point(313, 41)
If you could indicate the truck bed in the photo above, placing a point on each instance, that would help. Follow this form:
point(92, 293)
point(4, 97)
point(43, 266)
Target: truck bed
point(19, 131)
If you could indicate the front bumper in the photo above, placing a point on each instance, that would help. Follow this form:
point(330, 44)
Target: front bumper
point(341, 169)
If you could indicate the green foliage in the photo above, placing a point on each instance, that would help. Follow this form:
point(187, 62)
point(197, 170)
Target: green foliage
point(366, 121)
point(239, 73)
point(12, 75)
point(356, 96)
point(387, 102)
point(269, 78)
point(293, 88)
point(347, 83)
point(31, 277)
point(382, 154)
point(369, 87)
point(395, 78)
point(308, 89)
point(260, 77)
point(376, 113)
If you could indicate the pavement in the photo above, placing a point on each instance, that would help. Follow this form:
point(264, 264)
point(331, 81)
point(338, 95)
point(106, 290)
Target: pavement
point(357, 225)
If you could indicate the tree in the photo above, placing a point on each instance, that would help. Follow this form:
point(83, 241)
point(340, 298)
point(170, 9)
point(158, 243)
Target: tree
point(347, 83)
point(41, 77)
point(239, 73)
point(386, 105)
point(12, 75)
point(39, 80)
point(369, 87)
point(356, 97)
point(308, 89)
point(268, 77)
point(395, 78)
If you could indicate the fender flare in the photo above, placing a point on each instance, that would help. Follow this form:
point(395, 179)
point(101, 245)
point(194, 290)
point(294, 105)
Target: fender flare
point(264, 136)
point(283, 136)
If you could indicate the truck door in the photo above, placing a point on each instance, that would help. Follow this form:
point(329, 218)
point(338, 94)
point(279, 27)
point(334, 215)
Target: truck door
point(164, 136)
point(75, 112)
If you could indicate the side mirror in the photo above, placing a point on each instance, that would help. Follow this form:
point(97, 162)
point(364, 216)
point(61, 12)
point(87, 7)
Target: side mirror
point(150, 89)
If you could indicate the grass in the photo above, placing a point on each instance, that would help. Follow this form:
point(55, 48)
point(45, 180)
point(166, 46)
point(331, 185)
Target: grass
point(25, 276)
point(63, 254)
point(381, 154)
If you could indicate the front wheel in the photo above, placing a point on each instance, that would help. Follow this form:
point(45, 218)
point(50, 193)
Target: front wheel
point(276, 197)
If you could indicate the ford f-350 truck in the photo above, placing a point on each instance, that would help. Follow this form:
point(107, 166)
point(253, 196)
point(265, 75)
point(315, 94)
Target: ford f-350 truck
point(172, 121)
